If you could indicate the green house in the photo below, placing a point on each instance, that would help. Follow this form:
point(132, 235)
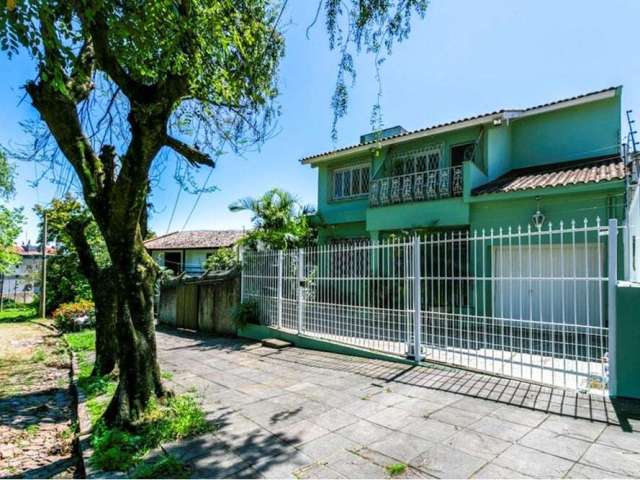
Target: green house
point(551, 163)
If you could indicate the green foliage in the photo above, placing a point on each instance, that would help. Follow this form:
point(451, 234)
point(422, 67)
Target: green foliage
point(396, 469)
point(245, 312)
point(167, 467)
point(82, 341)
point(11, 221)
point(65, 314)
point(7, 177)
point(17, 314)
point(38, 356)
point(115, 449)
point(222, 259)
point(65, 278)
point(280, 221)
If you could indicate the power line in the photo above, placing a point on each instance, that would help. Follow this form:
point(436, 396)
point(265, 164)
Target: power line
point(206, 182)
point(173, 212)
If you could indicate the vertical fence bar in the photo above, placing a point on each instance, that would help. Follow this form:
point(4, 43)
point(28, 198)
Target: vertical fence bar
point(612, 281)
point(300, 289)
point(242, 273)
point(279, 289)
point(417, 296)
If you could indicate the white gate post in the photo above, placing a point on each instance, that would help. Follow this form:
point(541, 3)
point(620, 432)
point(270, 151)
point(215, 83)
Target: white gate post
point(612, 282)
point(300, 289)
point(280, 289)
point(417, 297)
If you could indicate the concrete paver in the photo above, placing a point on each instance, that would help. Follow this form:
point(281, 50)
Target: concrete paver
point(307, 414)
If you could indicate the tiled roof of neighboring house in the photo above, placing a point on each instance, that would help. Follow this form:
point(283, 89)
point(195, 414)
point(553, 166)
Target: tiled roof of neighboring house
point(195, 239)
point(597, 169)
point(26, 250)
point(454, 122)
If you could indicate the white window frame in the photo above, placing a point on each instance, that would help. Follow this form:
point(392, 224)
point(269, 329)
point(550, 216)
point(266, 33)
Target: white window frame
point(359, 168)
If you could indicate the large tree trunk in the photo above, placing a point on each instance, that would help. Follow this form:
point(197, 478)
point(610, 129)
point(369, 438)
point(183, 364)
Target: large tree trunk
point(105, 298)
point(139, 371)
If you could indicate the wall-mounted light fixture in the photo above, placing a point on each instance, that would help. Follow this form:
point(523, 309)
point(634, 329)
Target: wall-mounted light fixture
point(538, 218)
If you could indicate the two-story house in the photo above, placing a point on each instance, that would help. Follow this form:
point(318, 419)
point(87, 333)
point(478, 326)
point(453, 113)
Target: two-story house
point(560, 161)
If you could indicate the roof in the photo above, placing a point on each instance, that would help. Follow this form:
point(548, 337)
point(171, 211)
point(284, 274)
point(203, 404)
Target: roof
point(463, 123)
point(194, 239)
point(28, 250)
point(591, 170)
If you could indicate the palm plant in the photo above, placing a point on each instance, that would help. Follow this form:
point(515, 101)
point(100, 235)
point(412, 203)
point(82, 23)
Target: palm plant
point(280, 220)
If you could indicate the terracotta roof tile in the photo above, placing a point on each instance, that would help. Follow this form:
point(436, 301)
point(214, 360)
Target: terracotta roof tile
point(195, 239)
point(594, 170)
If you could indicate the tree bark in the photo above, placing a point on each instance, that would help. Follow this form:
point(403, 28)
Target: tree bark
point(139, 371)
point(105, 298)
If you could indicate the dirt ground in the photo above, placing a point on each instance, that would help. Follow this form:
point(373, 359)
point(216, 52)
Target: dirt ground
point(36, 428)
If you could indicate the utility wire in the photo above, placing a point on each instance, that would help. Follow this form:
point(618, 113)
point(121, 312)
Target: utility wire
point(204, 186)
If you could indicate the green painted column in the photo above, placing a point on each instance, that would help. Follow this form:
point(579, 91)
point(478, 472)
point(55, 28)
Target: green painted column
point(628, 340)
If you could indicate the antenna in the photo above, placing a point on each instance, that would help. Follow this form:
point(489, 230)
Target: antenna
point(632, 138)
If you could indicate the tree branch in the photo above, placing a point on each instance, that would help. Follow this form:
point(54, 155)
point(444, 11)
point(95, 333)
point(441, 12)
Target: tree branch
point(194, 156)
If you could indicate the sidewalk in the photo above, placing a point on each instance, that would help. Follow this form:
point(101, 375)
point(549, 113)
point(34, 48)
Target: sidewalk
point(307, 414)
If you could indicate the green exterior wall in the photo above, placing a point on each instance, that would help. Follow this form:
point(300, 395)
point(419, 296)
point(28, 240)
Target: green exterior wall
point(628, 340)
point(566, 134)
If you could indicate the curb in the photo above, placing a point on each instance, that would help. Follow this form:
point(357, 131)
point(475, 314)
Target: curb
point(84, 423)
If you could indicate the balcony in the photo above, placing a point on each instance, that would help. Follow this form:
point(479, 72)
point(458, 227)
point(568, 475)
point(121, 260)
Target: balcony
point(416, 187)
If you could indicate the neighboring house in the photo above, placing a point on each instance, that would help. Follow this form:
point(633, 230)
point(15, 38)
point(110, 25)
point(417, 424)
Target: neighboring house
point(498, 169)
point(187, 251)
point(24, 281)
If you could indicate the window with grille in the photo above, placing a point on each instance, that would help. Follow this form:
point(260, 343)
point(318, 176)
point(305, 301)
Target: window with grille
point(351, 182)
point(416, 161)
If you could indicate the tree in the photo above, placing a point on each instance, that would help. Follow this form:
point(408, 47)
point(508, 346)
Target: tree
point(280, 221)
point(11, 220)
point(119, 81)
point(81, 247)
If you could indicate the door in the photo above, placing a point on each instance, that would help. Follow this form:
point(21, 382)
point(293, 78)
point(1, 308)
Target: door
point(549, 284)
point(173, 261)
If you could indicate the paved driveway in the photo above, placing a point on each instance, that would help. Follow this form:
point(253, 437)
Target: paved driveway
point(307, 414)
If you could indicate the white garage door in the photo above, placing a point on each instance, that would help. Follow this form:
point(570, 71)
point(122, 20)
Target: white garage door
point(549, 284)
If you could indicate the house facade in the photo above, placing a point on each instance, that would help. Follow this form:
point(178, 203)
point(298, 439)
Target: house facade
point(24, 281)
point(555, 162)
point(187, 251)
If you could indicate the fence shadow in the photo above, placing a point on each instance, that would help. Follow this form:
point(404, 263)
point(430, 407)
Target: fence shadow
point(468, 383)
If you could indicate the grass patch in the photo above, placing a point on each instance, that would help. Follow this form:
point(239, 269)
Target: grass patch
point(167, 375)
point(17, 314)
point(119, 450)
point(98, 390)
point(167, 467)
point(396, 469)
point(38, 356)
point(82, 341)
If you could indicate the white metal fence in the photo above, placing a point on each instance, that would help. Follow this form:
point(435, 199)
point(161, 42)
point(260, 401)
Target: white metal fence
point(529, 303)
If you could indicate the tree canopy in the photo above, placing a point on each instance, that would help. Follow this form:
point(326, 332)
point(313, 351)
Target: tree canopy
point(11, 220)
point(119, 82)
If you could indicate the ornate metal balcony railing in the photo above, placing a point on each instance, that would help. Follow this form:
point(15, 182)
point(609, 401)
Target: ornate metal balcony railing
point(415, 187)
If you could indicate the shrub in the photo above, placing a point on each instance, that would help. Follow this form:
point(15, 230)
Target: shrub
point(246, 312)
point(222, 259)
point(66, 314)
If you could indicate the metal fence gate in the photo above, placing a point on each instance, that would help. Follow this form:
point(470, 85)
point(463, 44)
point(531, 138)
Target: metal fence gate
point(530, 303)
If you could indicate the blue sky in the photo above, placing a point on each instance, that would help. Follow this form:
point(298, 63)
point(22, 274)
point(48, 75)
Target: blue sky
point(465, 58)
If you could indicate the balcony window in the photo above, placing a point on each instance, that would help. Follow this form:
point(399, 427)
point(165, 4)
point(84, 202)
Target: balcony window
point(351, 182)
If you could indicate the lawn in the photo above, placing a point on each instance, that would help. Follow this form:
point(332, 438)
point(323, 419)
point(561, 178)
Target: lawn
point(17, 314)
